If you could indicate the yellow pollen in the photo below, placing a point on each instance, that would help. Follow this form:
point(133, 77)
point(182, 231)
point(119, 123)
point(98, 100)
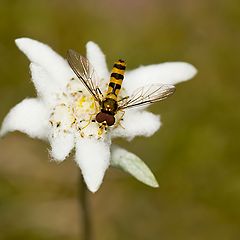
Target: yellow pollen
point(81, 101)
point(92, 105)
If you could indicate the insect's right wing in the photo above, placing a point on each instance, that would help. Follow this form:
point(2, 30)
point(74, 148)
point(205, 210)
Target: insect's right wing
point(85, 72)
point(147, 95)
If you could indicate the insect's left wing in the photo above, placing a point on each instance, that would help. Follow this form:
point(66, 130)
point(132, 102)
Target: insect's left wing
point(147, 95)
point(85, 72)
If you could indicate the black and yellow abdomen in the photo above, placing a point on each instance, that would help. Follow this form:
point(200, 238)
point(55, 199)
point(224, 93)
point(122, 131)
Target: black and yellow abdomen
point(116, 79)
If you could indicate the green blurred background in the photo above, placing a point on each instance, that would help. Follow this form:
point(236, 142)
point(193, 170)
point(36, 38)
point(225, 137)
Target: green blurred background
point(195, 155)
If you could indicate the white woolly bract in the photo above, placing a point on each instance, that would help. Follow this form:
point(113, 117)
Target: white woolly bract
point(61, 144)
point(45, 57)
point(30, 117)
point(98, 61)
point(45, 87)
point(137, 123)
point(164, 73)
point(93, 157)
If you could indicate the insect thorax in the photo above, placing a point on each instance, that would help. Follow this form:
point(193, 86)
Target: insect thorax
point(109, 106)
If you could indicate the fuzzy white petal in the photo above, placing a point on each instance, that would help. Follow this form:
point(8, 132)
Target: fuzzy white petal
point(50, 61)
point(137, 123)
point(164, 73)
point(29, 116)
point(61, 144)
point(93, 158)
point(43, 84)
point(98, 60)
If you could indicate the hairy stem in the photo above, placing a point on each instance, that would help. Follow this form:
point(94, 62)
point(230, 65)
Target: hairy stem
point(85, 211)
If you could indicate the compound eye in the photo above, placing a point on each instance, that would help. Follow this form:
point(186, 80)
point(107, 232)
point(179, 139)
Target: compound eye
point(110, 120)
point(101, 117)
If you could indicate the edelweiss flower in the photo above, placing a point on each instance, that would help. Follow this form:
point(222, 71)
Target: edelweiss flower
point(64, 111)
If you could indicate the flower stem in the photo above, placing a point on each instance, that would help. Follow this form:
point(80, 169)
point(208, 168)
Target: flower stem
point(85, 211)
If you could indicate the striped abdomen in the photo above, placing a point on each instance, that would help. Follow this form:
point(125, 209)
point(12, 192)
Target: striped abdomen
point(116, 79)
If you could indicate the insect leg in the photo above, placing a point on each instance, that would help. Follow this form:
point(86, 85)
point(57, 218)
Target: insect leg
point(89, 121)
point(101, 129)
point(119, 120)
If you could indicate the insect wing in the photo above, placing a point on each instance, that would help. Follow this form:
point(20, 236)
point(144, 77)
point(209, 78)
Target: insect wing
point(85, 72)
point(147, 95)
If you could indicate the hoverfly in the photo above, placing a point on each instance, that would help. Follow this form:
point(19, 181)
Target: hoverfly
point(110, 103)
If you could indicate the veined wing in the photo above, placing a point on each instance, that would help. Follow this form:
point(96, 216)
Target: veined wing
point(85, 72)
point(147, 95)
